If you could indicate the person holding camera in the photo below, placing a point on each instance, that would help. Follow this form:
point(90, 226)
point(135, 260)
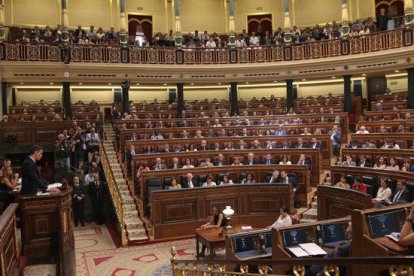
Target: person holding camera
point(62, 152)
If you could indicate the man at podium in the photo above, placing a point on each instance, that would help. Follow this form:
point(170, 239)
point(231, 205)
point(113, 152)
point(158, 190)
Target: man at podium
point(32, 181)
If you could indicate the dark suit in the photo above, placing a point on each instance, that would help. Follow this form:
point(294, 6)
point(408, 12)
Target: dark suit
point(254, 162)
point(365, 165)
point(404, 197)
point(268, 162)
point(78, 205)
point(203, 148)
point(315, 145)
point(97, 194)
point(32, 181)
point(223, 163)
point(382, 22)
point(301, 146)
point(291, 180)
point(185, 183)
point(179, 166)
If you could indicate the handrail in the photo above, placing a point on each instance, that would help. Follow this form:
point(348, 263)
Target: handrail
point(398, 38)
point(115, 193)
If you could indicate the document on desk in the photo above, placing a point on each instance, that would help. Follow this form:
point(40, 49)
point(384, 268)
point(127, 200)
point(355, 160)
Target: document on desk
point(55, 185)
point(306, 250)
point(312, 249)
point(298, 251)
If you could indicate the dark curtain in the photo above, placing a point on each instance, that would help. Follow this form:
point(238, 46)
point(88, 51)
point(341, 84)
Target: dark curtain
point(140, 23)
point(395, 8)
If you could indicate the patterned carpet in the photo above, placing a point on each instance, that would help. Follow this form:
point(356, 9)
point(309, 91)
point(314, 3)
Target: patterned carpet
point(96, 254)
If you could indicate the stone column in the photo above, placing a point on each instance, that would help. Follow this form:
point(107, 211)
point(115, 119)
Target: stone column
point(180, 99)
point(234, 104)
point(232, 28)
point(178, 36)
point(289, 94)
point(123, 37)
point(3, 88)
point(409, 13)
point(2, 21)
point(66, 102)
point(345, 25)
point(410, 96)
point(125, 96)
point(347, 93)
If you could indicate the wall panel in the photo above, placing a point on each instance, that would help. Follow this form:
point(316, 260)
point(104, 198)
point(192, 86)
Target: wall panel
point(29, 12)
point(397, 84)
point(91, 12)
point(34, 95)
point(219, 93)
point(203, 15)
point(309, 13)
point(101, 96)
point(142, 94)
point(259, 91)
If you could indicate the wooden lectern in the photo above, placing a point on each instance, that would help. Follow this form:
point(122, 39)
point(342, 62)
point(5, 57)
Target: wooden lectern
point(47, 230)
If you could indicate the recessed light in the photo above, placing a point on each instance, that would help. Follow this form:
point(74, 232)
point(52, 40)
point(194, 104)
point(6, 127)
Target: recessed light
point(247, 82)
point(303, 79)
point(109, 83)
point(192, 84)
point(219, 83)
point(396, 71)
point(138, 84)
point(275, 81)
point(334, 77)
point(165, 84)
point(22, 83)
point(80, 83)
point(51, 83)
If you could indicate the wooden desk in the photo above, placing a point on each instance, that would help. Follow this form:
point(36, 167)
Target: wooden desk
point(211, 238)
point(176, 213)
point(9, 253)
point(378, 138)
point(47, 230)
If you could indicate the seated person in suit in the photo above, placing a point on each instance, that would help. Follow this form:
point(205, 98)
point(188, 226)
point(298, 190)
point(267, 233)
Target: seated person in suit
point(348, 162)
point(285, 145)
point(302, 160)
point(315, 144)
point(283, 220)
point(248, 180)
point(300, 144)
point(256, 145)
point(209, 182)
point(343, 183)
point(220, 161)
point(407, 232)
point(241, 145)
point(175, 164)
point(363, 163)
point(400, 195)
point(158, 165)
point(268, 160)
point(32, 181)
point(383, 194)
point(174, 185)
point(189, 181)
point(250, 159)
point(203, 145)
point(275, 177)
point(359, 185)
point(285, 179)
point(226, 180)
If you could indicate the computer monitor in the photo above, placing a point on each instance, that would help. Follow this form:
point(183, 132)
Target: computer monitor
point(333, 233)
point(296, 236)
point(385, 223)
point(244, 244)
point(267, 239)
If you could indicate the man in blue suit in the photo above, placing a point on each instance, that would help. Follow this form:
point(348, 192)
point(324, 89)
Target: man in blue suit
point(280, 132)
point(336, 136)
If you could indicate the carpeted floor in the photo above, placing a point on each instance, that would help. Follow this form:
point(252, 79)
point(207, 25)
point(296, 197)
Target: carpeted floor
point(96, 254)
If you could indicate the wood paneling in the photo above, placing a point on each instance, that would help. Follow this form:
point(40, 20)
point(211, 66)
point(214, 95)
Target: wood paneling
point(9, 252)
point(256, 204)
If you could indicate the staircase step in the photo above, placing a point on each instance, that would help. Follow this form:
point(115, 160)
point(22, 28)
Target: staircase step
point(129, 207)
point(137, 234)
point(134, 223)
point(302, 221)
point(314, 205)
point(310, 214)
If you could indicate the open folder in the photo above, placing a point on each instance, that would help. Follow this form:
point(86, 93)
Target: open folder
point(307, 249)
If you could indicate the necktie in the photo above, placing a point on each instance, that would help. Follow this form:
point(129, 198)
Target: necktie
point(268, 162)
point(397, 196)
point(190, 184)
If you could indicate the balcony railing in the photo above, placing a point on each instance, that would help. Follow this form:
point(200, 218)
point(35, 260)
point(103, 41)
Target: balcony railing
point(374, 42)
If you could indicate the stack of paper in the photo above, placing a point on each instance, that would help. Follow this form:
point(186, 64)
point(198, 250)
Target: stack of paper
point(307, 249)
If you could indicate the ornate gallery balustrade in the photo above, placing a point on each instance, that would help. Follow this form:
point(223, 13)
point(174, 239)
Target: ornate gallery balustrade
point(151, 55)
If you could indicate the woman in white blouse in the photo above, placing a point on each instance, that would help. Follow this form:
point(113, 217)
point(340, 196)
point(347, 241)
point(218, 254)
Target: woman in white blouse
point(188, 164)
point(283, 220)
point(209, 182)
point(384, 193)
